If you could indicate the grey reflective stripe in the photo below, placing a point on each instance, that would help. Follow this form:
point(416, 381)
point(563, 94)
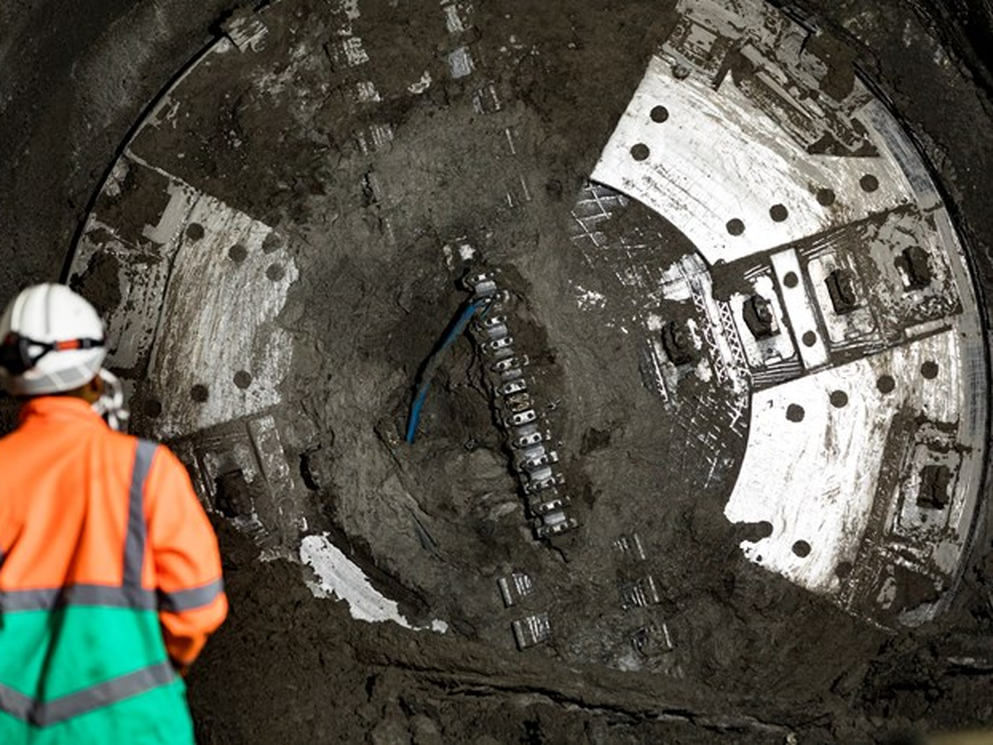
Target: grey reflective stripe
point(99, 595)
point(134, 545)
point(196, 597)
point(45, 713)
point(15, 703)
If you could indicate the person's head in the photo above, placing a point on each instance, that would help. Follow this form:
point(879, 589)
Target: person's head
point(51, 343)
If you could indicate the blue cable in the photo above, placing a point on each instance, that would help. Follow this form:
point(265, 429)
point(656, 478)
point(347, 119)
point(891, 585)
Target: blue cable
point(432, 363)
point(415, 413)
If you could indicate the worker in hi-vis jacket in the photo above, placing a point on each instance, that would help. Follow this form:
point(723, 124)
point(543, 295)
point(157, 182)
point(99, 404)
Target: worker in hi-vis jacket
point(110, 576)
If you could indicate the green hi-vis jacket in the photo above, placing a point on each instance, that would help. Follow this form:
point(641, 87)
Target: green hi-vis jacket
point(110, 581)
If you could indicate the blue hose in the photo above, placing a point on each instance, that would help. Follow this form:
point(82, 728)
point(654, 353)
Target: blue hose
point(422, 391)
point(415, 412)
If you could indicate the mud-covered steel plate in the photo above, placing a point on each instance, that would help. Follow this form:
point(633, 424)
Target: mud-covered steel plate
point(739, 350)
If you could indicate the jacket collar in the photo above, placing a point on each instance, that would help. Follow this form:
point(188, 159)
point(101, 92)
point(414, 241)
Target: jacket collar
point(62, 409)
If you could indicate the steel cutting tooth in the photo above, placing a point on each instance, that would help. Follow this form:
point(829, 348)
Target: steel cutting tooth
point(511, 387)
point(551, 505)
point(532, 452)
point(547, 531)
point(522, 417)
point(540, 484)
point(498, 344)
point(509, 368)
point(524, 431)
point(529, 439)
point(482, 284)
point(497, 332)
point(475, 279)
point(541, 475)
point(540, 461)
point(512, 374)
point(518, 402)
point(532, 461)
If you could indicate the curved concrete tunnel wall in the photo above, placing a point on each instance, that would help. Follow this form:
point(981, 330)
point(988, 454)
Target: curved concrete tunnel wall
point(76, 80)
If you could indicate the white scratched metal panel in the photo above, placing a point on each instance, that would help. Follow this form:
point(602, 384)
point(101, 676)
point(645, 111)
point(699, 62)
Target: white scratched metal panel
point(141, 279)
point(815, 480)
point(718, 157)
point(800, 309)
point(218, 318)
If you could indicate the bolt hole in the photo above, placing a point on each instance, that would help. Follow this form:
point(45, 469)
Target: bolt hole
point(735, 226)
point(930, 369)
point(199, 393)
point(275, 272)
point(152, 408)
point(272, 242)
point(659, 114)
point(794, 413)
point(869, 183)
point(640, 151)
point(839, 399)
point(778, 212)
point(237, 253)
point(243, 379)
point(885, 384)
point(809, 338)
point(825, 197)
point(790, 280)
point(801, 549)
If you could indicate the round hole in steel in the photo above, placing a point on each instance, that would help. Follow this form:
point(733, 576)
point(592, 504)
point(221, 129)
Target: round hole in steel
point(778, 212)
point(237, 253)
point(152, 408)
point(825, 197)
point(795, 413)
point(243, 379)
point(640, 151)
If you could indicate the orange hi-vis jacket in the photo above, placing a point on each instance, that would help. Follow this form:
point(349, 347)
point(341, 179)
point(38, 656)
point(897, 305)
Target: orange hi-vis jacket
point(110, 580)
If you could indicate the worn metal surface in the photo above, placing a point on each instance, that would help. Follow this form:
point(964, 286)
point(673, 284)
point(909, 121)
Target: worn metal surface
point(807, 296)
point(871, 375)
point(200, 285)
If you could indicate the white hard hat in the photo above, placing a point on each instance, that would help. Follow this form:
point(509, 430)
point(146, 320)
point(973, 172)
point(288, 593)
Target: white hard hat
point(51, 341)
